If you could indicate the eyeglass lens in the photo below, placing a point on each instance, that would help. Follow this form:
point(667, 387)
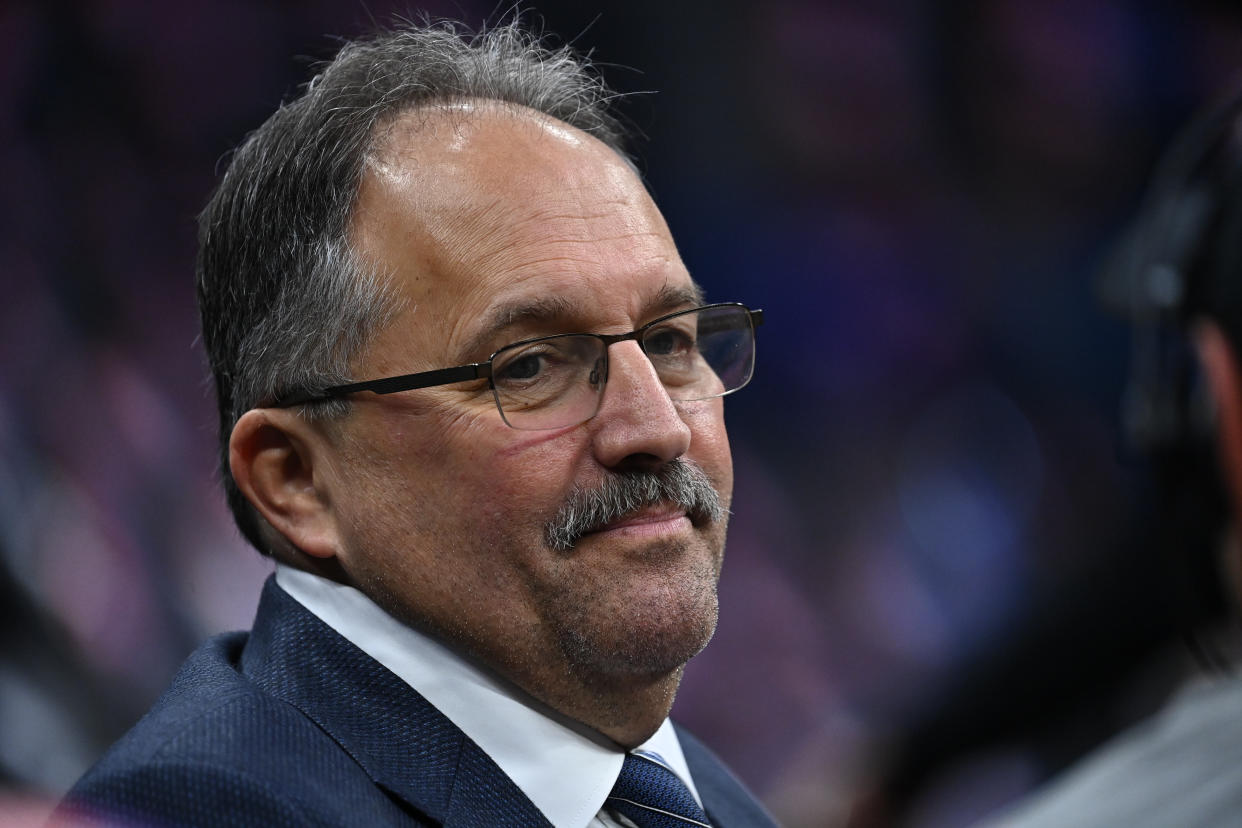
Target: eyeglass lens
point(558, 381)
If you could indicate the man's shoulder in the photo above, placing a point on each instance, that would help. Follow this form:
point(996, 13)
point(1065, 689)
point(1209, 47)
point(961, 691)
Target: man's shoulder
point(218, 748)
point(208, 691)
point(211, 709)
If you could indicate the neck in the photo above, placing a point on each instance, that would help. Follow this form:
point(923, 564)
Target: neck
point(623, 701)
point(623, 708)
point(626, 711)
point(327, 568)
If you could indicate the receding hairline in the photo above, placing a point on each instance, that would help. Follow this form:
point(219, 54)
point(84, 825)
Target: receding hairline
point(412, 136)
point(405, 140)
point(391, 132)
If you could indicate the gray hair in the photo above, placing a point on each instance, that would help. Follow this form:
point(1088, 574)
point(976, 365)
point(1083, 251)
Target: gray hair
point(680, 481)
point(285, 302)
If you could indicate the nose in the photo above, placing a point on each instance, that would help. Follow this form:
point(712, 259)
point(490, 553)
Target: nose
point(637, 425)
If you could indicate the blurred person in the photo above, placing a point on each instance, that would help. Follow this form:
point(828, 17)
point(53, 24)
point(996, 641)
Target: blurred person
point(1178, 276)
point(470, 402)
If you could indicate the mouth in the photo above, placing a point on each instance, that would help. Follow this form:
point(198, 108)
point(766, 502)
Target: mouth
point(650, 521)
point(655, 505)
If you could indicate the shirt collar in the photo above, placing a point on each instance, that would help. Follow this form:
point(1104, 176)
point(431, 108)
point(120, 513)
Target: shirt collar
point(566, 774)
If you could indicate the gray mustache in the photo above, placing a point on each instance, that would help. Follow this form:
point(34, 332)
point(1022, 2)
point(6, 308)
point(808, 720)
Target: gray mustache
point(679, 482)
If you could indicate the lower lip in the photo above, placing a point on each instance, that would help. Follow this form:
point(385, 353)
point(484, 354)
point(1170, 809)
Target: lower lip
point(648, 528)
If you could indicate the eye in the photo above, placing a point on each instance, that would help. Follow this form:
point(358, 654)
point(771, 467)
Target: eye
point(668, 341)
point(524, 366)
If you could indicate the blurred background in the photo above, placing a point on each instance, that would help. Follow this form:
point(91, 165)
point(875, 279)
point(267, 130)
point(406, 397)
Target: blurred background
point(939, 588)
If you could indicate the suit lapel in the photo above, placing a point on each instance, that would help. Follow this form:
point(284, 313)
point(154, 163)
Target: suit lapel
point(405, 745)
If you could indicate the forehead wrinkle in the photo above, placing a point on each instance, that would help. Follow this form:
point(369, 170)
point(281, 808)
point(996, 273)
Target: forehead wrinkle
point(563, 240)
point(494, 224)
point(489, 237)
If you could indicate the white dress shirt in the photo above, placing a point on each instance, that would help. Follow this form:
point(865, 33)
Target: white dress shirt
point(563, 772)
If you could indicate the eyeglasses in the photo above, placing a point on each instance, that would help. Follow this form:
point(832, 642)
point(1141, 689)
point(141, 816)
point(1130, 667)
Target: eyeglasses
point(558, 381)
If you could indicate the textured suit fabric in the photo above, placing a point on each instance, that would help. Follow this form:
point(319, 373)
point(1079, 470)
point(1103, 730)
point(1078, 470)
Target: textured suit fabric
point(292, 724)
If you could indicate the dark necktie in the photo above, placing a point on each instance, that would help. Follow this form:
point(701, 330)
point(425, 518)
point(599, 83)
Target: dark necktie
point(653, 796)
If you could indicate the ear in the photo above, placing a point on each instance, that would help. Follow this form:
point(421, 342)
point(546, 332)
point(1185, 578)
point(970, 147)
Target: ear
point(1220, 367)
point(273, 456)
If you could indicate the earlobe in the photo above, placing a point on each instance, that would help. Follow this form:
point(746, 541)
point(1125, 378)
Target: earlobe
point(1220, 367)
point(272, 456)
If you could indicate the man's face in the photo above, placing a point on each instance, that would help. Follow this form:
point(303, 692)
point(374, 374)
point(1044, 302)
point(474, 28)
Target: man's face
point(498, 226)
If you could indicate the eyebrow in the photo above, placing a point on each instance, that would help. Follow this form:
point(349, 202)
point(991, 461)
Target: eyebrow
point(548, 309)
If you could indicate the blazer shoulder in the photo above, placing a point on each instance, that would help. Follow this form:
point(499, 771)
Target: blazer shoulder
point(204, 710)
point(217, 749)
point(177, 792)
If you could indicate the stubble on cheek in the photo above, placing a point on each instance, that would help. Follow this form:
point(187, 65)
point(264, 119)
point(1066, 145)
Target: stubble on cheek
point(457, 572)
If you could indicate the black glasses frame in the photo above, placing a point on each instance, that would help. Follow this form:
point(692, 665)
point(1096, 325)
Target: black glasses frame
point(481, 370)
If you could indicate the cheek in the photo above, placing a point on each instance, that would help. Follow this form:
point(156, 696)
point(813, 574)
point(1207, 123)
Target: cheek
point(530, 474)
point(709, 443)
point(490, 484)
point(410, 474)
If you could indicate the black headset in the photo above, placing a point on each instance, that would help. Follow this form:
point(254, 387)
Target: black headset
point(1180, 260)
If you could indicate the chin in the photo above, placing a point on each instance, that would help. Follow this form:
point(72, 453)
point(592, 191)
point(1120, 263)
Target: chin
point(644, 638)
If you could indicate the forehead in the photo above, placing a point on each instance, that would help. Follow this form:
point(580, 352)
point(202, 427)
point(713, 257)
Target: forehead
point(476, 209)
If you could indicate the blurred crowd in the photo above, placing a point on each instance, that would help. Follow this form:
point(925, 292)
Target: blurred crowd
point(936, 592)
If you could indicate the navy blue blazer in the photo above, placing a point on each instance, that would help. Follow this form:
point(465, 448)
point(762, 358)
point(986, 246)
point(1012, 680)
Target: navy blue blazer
point(292, 725)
